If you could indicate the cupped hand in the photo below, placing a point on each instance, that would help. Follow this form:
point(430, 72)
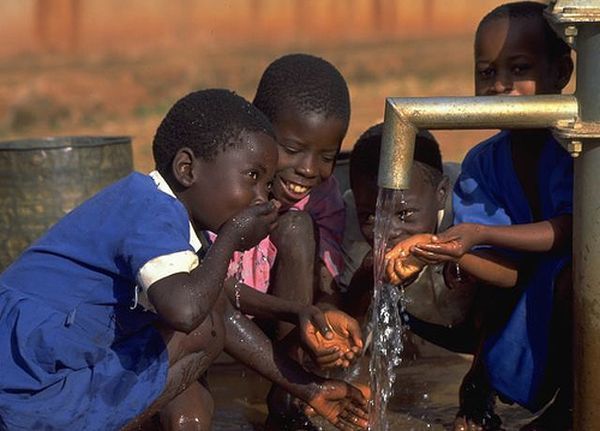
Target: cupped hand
point(401, 265)
point(341, 404)
point(252, 224)
point(450, 245)
point(332, 338)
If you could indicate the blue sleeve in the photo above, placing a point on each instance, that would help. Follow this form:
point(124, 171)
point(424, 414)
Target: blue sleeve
point(161, 230)
point(474, 199)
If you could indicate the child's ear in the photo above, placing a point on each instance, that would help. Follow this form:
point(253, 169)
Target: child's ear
point(564, 70)
point(183, 167)
point(442, 191)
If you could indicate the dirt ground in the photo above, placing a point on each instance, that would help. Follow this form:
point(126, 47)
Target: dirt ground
point(52, 95)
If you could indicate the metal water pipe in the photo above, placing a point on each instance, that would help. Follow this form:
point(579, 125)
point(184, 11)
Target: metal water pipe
point(575, 122)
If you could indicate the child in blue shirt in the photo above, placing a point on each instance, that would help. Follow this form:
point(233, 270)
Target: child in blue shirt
point(512, 206)
point(77, 349)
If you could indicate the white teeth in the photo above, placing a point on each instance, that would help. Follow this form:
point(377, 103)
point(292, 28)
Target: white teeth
point(297, 188)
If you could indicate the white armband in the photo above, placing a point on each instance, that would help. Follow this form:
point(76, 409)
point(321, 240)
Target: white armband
point(163, 266)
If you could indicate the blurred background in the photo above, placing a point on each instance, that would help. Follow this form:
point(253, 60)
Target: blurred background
point(109, 67)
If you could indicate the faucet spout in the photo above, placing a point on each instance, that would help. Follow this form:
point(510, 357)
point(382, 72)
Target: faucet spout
point(405, 116)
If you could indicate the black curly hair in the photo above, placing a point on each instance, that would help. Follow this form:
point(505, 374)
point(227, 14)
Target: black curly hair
point(556, 47)
point(207, 122)
point(364, 159)
point(304, 82)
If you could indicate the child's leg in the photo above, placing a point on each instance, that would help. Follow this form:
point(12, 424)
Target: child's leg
point(189, 357)
point(558, 416)
point(477, 399)
point(293, 276)
point(561, 338)
point(191, 410)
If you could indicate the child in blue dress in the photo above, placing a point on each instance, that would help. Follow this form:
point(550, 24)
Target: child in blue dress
point(78, 350)
point(512, 206)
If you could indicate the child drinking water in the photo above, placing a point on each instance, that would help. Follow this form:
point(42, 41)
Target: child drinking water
point(513, 204)
point(431, 307)
point(77, 349)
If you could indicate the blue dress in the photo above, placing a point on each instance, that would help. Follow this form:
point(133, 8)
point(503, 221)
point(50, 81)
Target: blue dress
point(73, 354)
point(489, 192)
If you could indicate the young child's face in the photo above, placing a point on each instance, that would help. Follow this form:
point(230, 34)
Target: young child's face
point(418, 213)
point(511, 58)
point(236, 178)
point(308, 146)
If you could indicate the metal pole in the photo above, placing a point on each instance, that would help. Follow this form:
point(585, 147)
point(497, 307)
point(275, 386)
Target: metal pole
point(586, 237)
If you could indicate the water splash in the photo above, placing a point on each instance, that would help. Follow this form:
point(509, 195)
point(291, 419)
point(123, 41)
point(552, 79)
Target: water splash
point(386, 323)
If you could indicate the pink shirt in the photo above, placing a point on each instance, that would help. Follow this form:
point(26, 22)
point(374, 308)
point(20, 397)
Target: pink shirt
point(326, 207)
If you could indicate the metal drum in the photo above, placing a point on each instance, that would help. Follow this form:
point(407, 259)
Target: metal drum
point(41, 180)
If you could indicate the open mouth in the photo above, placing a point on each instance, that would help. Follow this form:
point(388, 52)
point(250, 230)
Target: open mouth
point(294, 190)
point(297, 188)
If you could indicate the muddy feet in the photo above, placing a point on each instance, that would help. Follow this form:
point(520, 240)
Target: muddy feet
point(477, 402)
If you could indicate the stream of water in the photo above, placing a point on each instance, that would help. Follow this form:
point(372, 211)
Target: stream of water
point(386, 323)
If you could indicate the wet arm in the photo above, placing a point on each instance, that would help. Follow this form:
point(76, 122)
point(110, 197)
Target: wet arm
point(262, 305)
point(184, 300)
point(248, 344)
point(341, 404)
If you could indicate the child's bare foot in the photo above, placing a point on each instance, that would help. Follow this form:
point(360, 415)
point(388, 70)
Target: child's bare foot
point(462, 424)
point(477, 402)
point(490, 422)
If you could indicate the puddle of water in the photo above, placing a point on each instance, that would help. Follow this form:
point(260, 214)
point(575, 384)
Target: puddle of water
point(425, 393)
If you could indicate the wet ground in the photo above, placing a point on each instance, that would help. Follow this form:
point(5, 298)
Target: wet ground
point(425, 396)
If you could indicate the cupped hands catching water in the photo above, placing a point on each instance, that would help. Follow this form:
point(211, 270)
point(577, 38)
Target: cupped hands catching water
point(450, 245)
point(341, 404)
point(331, 337)
point(401, 264)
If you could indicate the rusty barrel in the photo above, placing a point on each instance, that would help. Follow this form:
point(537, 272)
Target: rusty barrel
point(43, 179)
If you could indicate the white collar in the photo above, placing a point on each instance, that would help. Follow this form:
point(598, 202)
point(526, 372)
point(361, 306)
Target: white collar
point(163, 186)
